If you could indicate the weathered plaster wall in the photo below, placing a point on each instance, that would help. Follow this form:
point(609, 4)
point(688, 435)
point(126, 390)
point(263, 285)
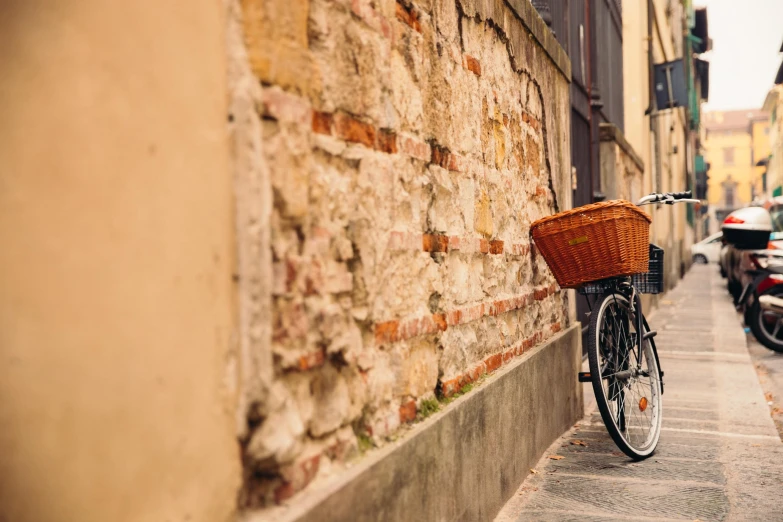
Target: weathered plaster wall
point(622, 170)
point(408, 148)
point(117, 233)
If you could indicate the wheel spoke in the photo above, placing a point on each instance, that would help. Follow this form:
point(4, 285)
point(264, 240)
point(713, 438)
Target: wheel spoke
point(628, 380)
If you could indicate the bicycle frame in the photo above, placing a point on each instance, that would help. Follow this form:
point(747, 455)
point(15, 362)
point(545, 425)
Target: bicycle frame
point(625, 287)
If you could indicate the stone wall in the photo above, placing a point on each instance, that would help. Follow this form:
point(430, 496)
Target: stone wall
point(387, 171)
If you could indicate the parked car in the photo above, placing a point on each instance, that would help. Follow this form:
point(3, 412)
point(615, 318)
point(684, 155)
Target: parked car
point(707, 250)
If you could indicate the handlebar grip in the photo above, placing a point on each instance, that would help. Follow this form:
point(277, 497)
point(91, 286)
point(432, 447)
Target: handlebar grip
point(681, 195)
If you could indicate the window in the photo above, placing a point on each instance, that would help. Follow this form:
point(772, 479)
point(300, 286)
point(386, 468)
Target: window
point(729, 189)
point(728, 155)
point(728, 195)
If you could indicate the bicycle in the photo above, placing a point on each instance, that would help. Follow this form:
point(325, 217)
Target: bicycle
point(625, 370)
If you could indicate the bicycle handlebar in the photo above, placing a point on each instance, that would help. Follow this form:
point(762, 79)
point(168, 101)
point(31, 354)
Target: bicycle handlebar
point(681, 195)
point(669, 198)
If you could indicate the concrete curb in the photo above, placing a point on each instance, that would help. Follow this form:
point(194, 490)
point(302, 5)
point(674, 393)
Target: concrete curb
point(464, 462)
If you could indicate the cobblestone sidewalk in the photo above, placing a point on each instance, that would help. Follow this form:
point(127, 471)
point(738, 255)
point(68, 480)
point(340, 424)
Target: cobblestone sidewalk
point(719, 456)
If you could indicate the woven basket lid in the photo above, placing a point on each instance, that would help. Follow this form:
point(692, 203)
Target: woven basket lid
point(589, 209)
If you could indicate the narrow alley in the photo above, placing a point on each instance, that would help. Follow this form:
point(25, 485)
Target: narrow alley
point(719, 457)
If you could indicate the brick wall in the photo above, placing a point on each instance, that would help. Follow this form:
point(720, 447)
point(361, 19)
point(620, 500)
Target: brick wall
point(407, 147)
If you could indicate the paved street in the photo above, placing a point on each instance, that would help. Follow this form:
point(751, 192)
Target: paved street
point(719, 456)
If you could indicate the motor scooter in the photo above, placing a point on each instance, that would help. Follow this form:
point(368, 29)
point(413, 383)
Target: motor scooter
point(749, 231)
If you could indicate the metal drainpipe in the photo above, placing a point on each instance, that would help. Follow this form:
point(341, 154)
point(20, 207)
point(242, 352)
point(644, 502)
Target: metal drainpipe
point(655, 163)
point(589, 86)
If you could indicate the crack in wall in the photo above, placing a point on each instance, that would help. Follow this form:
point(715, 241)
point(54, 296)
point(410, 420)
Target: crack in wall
point(519, 69)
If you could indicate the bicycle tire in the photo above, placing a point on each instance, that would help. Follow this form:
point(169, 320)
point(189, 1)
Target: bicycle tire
point(757, 321)
point(617, 411)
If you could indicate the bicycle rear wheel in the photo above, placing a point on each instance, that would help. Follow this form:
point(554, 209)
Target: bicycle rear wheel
point(625, 378)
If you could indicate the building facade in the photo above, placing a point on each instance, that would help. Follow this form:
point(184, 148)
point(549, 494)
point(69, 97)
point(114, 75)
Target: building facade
point(666, 138)
point(734, 142)
point(249, 243)
point(257, 253)
point(773, 105)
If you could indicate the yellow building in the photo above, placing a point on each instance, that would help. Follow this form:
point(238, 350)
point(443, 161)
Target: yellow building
point(774, 174)
point(734, 142)
point(760, 142)
point(665, 140)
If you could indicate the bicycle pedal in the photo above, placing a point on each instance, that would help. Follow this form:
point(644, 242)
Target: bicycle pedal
point(585, 377)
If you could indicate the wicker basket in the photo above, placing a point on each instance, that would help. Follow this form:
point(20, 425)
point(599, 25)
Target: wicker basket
point(594, 242)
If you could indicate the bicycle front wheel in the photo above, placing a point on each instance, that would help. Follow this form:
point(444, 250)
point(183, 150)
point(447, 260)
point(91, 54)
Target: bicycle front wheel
point(625, 377)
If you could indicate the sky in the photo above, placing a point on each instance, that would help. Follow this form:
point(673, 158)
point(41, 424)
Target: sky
point(746, 37)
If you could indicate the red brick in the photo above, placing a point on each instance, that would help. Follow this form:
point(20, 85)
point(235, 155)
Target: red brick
point(540, 294)
point(472, 65)
point(414, 147)
point(442, 157)
point(484, 246)
point(408, 412)
point(311, 360)
point(435, 243)
point(507, 356)
point(455, 163)
point(350, 129)
point(296, 477)
point(386, 141)
point(410, 328)
point(409, 16)
point(493, 362)
point(450, 387)
point(556, 327)
point(499, 307)
point(439, 155)
point(454, 317)
point(477, 372)
point(496, 246)
point(440, 321)
point(387, 332)
point(322, 122)
point(475, 312)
